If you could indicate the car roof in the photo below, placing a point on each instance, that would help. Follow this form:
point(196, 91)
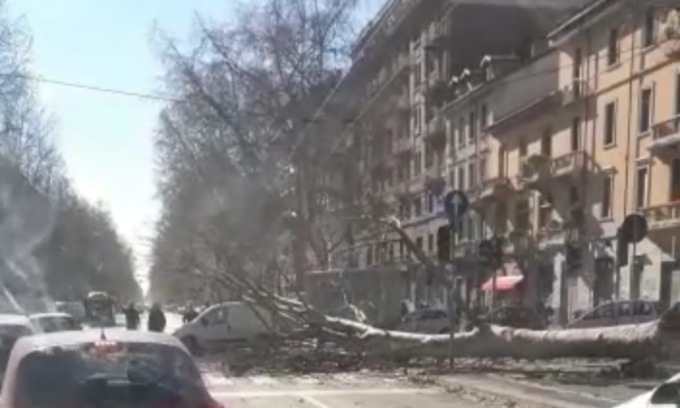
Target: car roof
point(28, 344)
point(48, 315)
point(14, 319)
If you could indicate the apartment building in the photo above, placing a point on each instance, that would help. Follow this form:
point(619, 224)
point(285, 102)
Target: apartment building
point(572, 142)
point(620, 68)
point(411, 64)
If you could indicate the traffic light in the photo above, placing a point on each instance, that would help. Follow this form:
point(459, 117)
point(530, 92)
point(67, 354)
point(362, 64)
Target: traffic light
point(573, 256)
point(444, 244)
point(621, 249)
point(491, 251)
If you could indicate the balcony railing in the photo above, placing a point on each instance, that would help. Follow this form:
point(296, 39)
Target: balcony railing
point(575, 91)
point(402, 145)
point(537, 169)
point(568, 164)
point(436, 129)
point(436, 34)
point(663, 216)
point(494, 187)
point(666, 134)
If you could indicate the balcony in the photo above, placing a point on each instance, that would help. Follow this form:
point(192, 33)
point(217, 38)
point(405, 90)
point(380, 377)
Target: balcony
point(574, 92)
point(493, 188)
point(666, 137)
point(537, 170)
point(670, 35)
point(553, 235)
point(434, 178)
point(402, 145)
point(436, 85)
point(662, 217)
point(436, 131)
point(436, 35)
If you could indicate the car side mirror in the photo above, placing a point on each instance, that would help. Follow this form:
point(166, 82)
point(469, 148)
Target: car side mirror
point(667, 393)
point(204, 321)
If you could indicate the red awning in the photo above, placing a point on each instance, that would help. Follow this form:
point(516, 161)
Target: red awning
point(503, 283)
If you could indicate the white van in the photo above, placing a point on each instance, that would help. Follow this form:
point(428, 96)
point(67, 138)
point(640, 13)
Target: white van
point(221, 323)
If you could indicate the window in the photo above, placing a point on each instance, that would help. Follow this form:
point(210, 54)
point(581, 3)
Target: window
point(461, 177)
point(677, 93)
point(417, 207)
point(609, 134)
point(430, 203)
point(418, 163)
point(473, 126)
point(613, 47)
point(641, 187)
point(419, 242)
point(546, 143)
point(573, 195)
point(429, 157)
point(461, 131)
point(523, 148)
point(576, 68)
point(482, 169)
point(471, 176)
point(430, 243)
point(575, 134)
point(607, 193)
point(522, 214)
point(649, 30)
point(645, 110)
point(675, 180)
point(417, 119)
point(483, 117)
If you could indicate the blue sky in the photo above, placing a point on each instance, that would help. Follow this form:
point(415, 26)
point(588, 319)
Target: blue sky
point(107, 139)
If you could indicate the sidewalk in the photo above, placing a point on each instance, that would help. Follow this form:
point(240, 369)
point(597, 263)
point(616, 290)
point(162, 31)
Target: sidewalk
point(541, 394)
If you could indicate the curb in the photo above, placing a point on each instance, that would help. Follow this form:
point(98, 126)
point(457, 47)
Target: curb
point(484, 387)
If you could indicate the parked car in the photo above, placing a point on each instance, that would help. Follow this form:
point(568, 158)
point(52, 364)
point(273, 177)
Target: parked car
point(53, 322)
point(666, 394)
point(221, 323)
point(12, 327)
point(430, 321)
point(521, 317)
point(618, 313)
point(75, 309)
point(88, 369)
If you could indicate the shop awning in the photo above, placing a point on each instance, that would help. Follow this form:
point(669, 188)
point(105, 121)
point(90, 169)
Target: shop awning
point(503, 283)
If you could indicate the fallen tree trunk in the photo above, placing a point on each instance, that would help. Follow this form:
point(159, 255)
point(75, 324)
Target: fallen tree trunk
point(630, 341)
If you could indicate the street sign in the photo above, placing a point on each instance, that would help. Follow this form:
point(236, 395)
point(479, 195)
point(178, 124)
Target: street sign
point(455, 205)
point(634, 228)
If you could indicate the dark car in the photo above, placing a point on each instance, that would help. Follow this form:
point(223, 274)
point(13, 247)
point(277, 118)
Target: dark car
point(520, 317)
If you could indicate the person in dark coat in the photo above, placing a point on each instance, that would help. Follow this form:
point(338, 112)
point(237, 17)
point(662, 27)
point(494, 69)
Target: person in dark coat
point(190, 314)
point(131, 317)
point(156, 321)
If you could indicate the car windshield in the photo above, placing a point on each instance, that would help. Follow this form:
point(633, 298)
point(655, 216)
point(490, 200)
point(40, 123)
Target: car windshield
point(108, 374)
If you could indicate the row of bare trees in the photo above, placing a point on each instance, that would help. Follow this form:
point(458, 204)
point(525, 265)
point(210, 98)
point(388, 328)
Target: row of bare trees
point(245, 157)
point(54, 245)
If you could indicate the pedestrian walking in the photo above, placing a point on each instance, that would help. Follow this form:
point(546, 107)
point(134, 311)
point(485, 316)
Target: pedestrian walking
point(131, 317)
point(156, 321)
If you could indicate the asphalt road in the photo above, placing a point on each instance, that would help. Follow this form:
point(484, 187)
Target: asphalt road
point(329, 391)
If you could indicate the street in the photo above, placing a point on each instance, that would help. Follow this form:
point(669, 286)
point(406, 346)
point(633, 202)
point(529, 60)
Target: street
point(329, 391)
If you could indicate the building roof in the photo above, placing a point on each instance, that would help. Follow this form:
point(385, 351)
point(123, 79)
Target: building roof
point(580, 16)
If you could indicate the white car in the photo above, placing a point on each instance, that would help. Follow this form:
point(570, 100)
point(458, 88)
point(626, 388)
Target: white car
point(53, 322)
point(12, 327)
point(666, 394)
point(221, 323)
point(102, 369)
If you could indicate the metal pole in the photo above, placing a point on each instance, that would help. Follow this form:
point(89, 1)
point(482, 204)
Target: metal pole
point(633, 272)
point(451, 311)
